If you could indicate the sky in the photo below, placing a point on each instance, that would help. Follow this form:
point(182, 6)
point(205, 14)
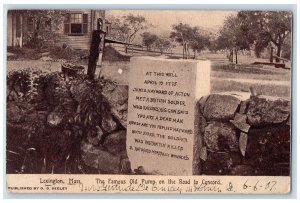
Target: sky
point(164, 19)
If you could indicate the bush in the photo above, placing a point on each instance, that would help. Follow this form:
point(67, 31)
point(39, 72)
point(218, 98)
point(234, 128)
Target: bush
point(48, 117)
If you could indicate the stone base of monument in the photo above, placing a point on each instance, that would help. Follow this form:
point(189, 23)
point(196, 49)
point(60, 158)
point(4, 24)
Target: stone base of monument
point(163, 118)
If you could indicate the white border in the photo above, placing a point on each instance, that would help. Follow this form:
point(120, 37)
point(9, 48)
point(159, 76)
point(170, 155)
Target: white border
point(136, 2)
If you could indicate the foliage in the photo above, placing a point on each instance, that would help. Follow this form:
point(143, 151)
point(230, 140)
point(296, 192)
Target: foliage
point(153, 41)
point(200, 42)
point(126, 28)
point(193, 37)
point(45, 23)
point(183, 33)
point(51, 147)
point(232, 35)
point(267, 27)
point(258, 28)
point(163, 44)
point(213, 45)
point(287, 47)
point(149, 39)
point(39, 145)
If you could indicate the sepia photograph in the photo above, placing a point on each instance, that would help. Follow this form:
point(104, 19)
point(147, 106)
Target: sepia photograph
point(177, 97)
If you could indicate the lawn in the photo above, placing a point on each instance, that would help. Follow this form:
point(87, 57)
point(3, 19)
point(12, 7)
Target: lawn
point(225, 77)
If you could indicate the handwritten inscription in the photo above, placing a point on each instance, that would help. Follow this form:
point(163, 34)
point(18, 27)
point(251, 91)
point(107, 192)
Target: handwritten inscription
point(180, 186)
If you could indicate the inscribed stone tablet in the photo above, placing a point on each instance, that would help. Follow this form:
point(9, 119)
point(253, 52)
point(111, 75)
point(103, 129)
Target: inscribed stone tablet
point(161, 113)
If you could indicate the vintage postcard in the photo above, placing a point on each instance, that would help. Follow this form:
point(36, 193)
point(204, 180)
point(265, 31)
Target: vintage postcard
point(149, 101)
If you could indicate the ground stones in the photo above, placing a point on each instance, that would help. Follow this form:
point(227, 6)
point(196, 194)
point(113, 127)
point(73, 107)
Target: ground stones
point(218, 107)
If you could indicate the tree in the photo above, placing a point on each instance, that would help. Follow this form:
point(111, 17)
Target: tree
point(233, 37)
point(213, 45)
point(162, 44)
point(183, 34)
point(126, 28)
point(189, 37)
point(149, 39)
point(199, 43)
point(267, 27)
point(46, 23)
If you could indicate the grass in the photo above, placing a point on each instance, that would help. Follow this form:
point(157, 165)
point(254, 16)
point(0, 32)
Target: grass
point(257, 74)
point(55, 52)
point(268, 90)
point(251, 72)
point(265, 80)
point(119, 72)
point(270, 77)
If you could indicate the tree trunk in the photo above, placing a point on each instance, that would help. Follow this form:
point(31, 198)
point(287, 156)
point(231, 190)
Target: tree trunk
point(236, 58)
point(271, 54)
point(279, 47)
point(183, 48)
point(231, 55)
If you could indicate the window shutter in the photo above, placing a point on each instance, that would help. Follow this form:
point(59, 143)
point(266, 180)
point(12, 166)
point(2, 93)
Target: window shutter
point(66, 28)
point(67, 23)
point(85, 23)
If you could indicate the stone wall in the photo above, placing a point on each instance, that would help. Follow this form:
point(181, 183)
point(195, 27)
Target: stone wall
point(240, 136)
point(109, 154)
point(245, 137)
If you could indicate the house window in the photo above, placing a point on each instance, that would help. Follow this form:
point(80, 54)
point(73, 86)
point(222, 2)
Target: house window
point(75, 24)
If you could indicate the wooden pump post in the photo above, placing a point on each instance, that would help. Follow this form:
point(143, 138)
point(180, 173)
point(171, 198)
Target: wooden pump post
point(96, 49)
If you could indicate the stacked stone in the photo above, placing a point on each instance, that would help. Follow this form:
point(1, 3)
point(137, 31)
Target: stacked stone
point(107, 151)
point(240, 135)
point(244, 136)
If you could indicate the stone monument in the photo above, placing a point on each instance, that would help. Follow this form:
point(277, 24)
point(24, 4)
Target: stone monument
point(162, 113)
